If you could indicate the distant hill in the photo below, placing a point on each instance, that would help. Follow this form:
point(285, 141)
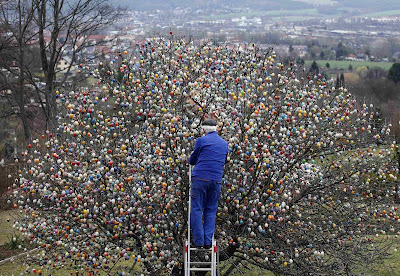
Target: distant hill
point(362, 6)
point(372, 5)
point(211, 4)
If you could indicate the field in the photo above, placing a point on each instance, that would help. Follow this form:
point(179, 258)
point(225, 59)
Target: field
point(344, 64)
point(383, 13)
point(292, 12)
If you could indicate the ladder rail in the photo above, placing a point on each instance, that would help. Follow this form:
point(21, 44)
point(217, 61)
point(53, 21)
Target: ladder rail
point(188, 251)
point(187, 258)
point(190, 202)
point(214, 250)
point(218, 261)
point(213, 257)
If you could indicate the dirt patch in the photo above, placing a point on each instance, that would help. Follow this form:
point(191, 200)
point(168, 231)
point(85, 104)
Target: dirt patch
point(7, 253)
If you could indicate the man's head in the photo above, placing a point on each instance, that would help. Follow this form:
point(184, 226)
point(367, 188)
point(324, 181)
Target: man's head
point(209, 125)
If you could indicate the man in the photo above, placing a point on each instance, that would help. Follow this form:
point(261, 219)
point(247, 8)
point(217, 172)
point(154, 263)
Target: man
point(209, 156)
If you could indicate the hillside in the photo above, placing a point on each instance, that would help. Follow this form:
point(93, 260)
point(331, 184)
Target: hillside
point(212, 4)
point(342, 6)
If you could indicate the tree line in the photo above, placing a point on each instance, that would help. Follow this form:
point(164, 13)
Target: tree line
point(34, 36)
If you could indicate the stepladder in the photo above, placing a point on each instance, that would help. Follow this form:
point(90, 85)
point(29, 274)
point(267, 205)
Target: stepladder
point(199, 259)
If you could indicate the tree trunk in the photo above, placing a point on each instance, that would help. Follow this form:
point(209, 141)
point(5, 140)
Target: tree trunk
point(51, 104)
point(20, 98)
point(21, 83)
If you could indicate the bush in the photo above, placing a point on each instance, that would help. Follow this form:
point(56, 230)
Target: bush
point(14, 242)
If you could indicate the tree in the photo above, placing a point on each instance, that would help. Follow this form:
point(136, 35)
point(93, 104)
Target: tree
point(394, 72)
point(314, 68)
point(327, 65)
point(14, 50)
point(396, 125)
point(300, 61)
point(376, 87)
point(341, 51)
point(111, 183)
point(350, 68)
point(73, 23)
point(272, 38)
point(341, 79)
point(291, 49)
point(313, 51)
point(337, 81)
point(57, 27)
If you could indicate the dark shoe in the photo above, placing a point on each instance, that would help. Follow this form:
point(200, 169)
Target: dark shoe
point(208, 246)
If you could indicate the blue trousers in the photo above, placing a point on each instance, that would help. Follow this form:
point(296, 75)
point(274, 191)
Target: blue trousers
point(205, 194)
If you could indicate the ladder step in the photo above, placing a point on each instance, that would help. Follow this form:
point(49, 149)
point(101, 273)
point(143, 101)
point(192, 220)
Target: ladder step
point(200, 269)
point(200, 263)
point(200, 249)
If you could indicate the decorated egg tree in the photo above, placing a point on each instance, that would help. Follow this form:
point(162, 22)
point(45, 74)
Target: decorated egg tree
point(110, 188)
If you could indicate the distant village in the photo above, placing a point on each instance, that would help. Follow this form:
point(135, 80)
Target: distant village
point(307, 38)
point(291, 36)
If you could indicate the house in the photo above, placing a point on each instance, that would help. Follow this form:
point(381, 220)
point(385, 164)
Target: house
point(362, 57)
point(301, 50)
point(396, 56)
point(63, 64)
point(351, 57)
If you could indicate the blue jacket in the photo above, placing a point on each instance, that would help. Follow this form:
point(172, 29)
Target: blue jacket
point(209, 156)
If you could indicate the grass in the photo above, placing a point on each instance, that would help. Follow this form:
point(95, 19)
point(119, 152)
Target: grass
point(344, 64)
point(15, 268)
point(250, 271)
point(7, 232)
point(6, 223)
point(312, 12)
point(91, 81)
point(18, 267)
point(332, 157)
point(390, 265)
